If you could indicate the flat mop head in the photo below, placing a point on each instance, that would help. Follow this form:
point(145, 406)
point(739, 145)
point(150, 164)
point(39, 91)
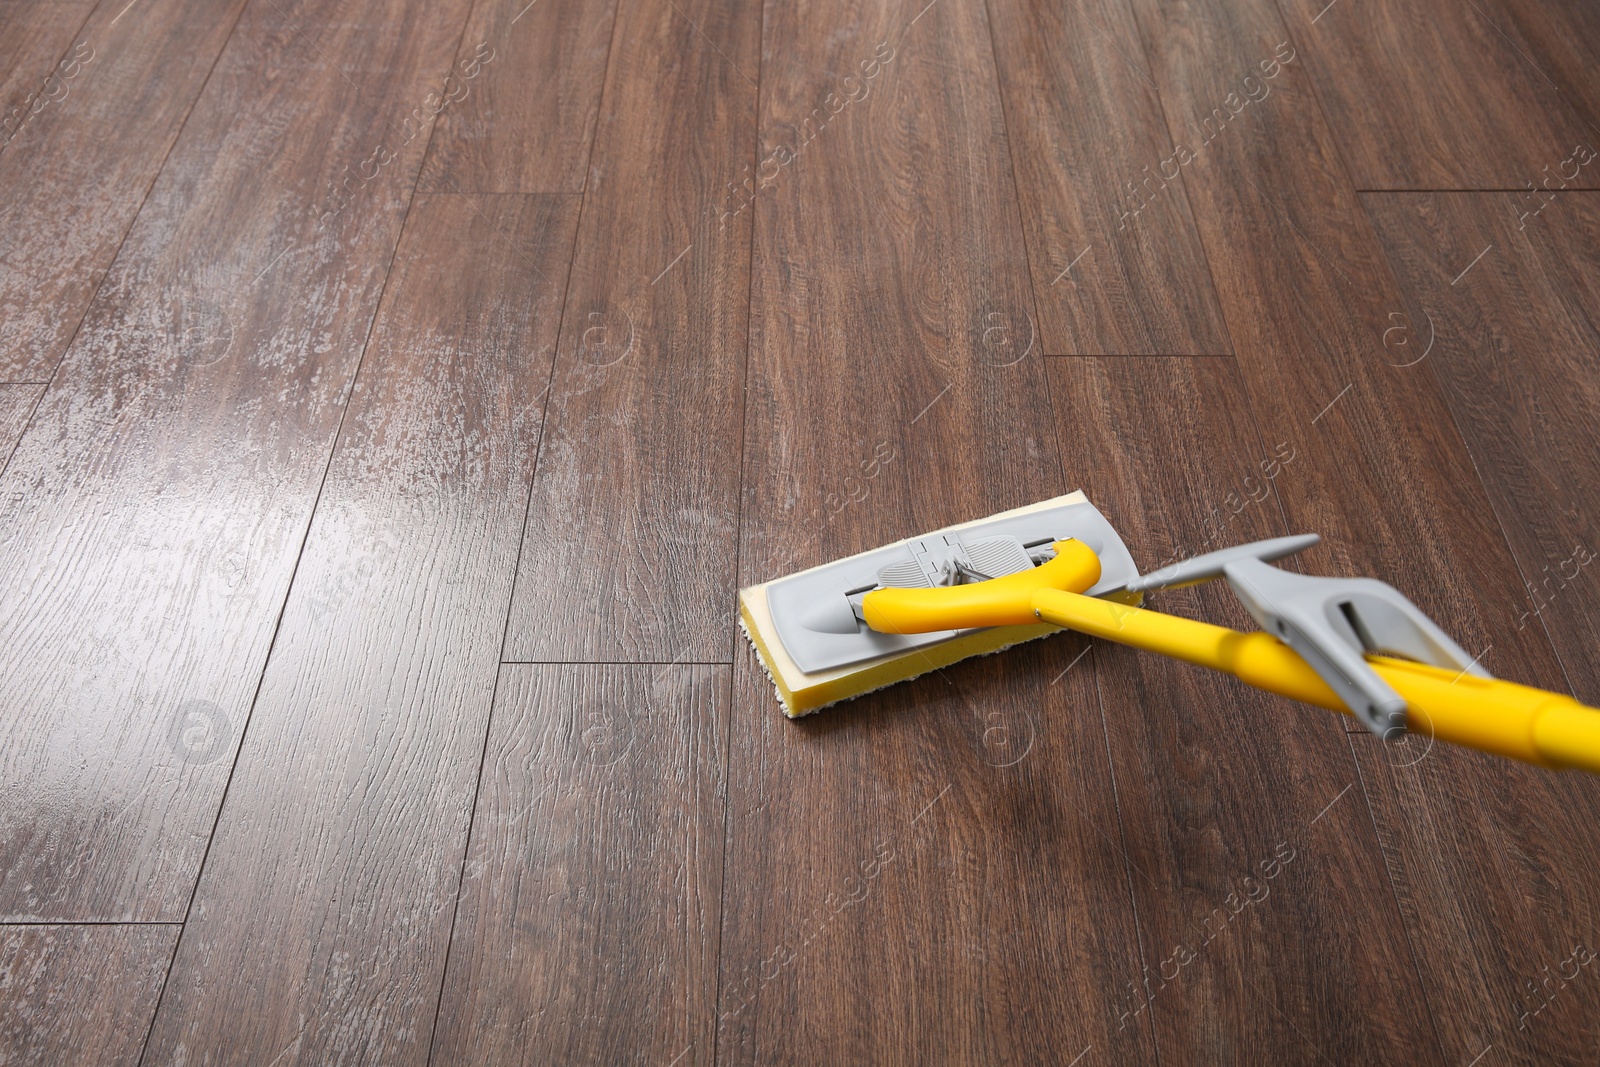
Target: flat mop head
point(806, 627)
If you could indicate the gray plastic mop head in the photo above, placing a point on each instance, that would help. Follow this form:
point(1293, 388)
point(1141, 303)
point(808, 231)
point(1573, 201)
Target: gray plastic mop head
point(817, 613)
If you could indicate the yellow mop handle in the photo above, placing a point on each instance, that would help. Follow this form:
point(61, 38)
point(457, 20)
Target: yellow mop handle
point(1532, 725)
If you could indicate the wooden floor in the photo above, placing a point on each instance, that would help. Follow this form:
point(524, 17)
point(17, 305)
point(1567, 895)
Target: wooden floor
point(393, 396)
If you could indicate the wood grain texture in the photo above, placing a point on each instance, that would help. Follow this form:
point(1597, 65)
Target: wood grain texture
point(1117, 263)
point(1264, 908)
point(631, 534)
point(1487, 857)
point(1515, 340)
point(37, 35)
point(1387, 481)
point(342, 838)
point(73, 995)
point(891, 307)
point(1515, 344)
point(16, 405)
point(704, 294)
point(1308, 298)
point(77, 172)
point(951, 886)
point(525, 97)
point(151, 518)
point(593, 886)
point(1562, 36)
point(1434, 94)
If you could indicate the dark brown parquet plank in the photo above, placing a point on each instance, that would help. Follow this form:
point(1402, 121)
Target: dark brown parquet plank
point(587, 930)
point(1515, 340)
point(1117, 263)
point(524, 98)
point(151, 517)
point(79, 995)
point(930, 872)
point(1309, 300)
point(1262, 897)
point(1434, 94)
point(76, 173)
point(631, 532)
point(341, 841)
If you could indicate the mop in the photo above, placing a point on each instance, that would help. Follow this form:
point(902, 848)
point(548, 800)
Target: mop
point(1353, 645)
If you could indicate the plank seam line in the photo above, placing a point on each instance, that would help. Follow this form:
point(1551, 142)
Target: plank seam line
point(244, 729)
point(120, 244)
point(527, 508)
point(112, 262)
point(738, 546)
point(283, 607)
point(1138, 355)
point(166, 976)
point(1395, 192)
point(616, 663)
point(427, 150)
point(15, 924)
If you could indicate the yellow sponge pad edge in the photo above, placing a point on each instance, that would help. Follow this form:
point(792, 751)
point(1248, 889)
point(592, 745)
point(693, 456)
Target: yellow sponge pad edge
point(800, 693)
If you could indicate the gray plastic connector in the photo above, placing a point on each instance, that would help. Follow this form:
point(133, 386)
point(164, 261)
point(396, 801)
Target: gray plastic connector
point(1332, 622)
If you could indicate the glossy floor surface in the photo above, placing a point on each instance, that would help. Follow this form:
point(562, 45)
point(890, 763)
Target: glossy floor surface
point(395, 395)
